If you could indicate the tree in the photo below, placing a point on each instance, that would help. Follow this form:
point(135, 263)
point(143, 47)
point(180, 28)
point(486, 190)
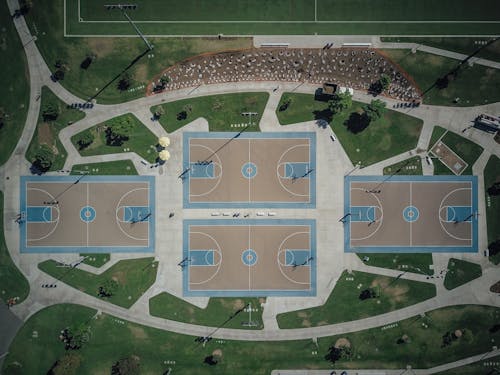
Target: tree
point(285, 103)
point(25, 6)
point(367, 294)
point(182, 115)
point(68, 364)
point(50, 111)
point(385, 81)
point(86, 62)
point(494, 248)
point(340, 102)
point(124, 82)
point(357, 122)
point(44, 157)
point(375, 109)
point(75, 337)
point(126, 366)
point(108, 288)
point(58, 75)
point(84, 140)
point(494, 189)
point(334, 353)
point(2, 118)
point(119, 131)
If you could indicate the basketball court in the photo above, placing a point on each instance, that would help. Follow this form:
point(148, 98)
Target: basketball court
point(272, 170)
point(249, 257)
point(87, 214)
point(410, 214)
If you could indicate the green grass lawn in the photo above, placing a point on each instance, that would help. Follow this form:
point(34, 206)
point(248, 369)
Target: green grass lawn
point(96, 260)
point(460, 272)
point(466, 149)
point(238, 17)
point(437, 132)
point(219, 310)
point(492, 175)
point(134, 277)
point(391, 135)
point(117, 167)
point(219, 110)
point(141, 140)
point(14, 85)
point(113, 339)
point(48, 132)
point(12, 281)
point(463, 45)
point(344, 304)
point(427, 68)
point(411, 166)
point(416, 263)
point(45, 20)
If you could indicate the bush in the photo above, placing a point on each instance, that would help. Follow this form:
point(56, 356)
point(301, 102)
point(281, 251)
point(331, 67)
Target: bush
point(50, 112)
point(85, 140)
point(44, 157)
point(126, 366)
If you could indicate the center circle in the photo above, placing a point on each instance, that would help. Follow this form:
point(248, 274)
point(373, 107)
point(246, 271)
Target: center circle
point(411, 214)
point(249, 257)
point(249, 170)
point(87, 214)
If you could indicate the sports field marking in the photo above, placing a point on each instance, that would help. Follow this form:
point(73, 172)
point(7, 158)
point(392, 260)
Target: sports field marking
point(93, 215)
point(249, 257)
point(412, 206)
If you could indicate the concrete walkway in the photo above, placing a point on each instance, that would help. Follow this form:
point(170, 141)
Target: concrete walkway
point(332, 166)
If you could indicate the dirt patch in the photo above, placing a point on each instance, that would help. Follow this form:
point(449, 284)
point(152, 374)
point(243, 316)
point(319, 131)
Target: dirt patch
point(380, 281)
point(102, 47)
point(303, 314)
point(322, 323)
point(120, 277)
point(141, 73)
point(138, 332)
point(342, 343)
point(306, 323)
point(45, 135)
point(434, 60)
point(238, 304)
point(217, 352)
point(262, 300)
point(397, 292)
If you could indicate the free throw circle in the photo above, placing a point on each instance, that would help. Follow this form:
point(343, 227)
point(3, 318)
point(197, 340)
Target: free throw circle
point(249, 170)
point(411, 214)
point(249, 257)
point(87, 214)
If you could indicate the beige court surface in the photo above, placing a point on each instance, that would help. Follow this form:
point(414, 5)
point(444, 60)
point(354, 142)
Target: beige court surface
point(95, 215)
point(427, 215)
point(249, 257)
point(250, 169)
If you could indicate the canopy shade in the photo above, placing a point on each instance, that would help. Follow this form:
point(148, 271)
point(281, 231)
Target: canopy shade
point(164, 155)
point(164, 141)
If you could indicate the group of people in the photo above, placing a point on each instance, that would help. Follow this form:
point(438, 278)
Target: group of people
point(357, 68)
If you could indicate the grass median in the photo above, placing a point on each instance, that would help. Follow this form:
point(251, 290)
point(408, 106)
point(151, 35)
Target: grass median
point(390, 135)
point(130, 279)
point(157, 350)
point(345, 303)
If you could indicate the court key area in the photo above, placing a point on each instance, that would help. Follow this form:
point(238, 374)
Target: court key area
point(410, 214)
point(249, 170)
point(87, 214)
point(249, 257)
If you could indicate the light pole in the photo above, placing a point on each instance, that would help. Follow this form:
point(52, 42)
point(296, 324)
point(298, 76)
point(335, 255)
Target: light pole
point(122, 7)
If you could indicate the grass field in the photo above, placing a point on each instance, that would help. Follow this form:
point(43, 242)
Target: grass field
point(47, 132)
point(12, 281)
point(426, 68)
point(460, 272)
point(281, 17)
point(344, 304)
point(141, 140)
point(391, 135)
point(113, 338)
point(219, 110)
point(461, 44)
point(416, 263)
point(113, 55)
point(492, 175)
point(95, 260)
point(411, 166)
point(217, 313)
point(14, 85)
point(466, 149)
point(117, 167)
point(134, 277)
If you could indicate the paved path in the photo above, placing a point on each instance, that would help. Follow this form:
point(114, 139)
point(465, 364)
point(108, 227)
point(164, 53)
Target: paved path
point(332, 166)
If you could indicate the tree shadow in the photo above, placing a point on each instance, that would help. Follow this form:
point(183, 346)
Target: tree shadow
point(357, 122)
point(324, 114)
